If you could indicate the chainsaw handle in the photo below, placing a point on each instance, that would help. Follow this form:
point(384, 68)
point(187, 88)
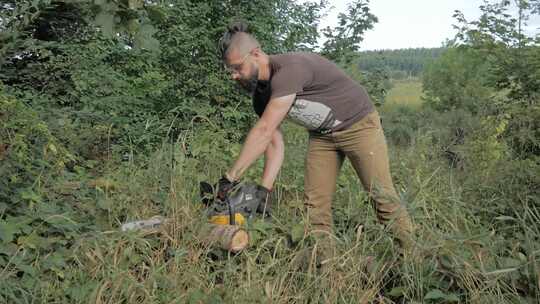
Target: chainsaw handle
point(232, 215)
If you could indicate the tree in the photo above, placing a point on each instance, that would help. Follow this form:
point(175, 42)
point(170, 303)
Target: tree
point(456, 81)
point(512, 55)
point(493, 68)
point(130, 62)
point(91, 82)
point(343, 41)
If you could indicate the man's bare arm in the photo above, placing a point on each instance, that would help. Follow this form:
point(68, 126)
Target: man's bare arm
point(273, 159)
point(260, 136)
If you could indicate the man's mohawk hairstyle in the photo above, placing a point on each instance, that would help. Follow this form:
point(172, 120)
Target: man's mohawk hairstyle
point(227, 38)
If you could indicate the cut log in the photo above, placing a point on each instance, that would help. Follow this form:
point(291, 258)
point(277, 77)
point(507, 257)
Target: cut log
point(227, 237)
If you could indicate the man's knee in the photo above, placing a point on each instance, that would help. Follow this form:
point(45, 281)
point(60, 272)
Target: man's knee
point(319, 212)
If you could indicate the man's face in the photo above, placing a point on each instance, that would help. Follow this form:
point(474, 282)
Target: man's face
point(244, 70)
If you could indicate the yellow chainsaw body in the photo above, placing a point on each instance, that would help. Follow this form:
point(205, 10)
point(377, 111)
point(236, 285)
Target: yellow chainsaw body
point(223, 219)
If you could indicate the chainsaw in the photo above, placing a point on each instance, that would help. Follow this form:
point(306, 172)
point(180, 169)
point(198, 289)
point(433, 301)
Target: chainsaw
point(241, 204)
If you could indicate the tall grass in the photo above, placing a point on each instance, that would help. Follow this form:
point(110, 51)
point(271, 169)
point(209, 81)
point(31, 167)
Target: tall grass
point(478, 241)
point(465, 258)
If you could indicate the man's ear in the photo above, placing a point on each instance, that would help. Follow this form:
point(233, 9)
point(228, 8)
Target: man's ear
point(256, 52)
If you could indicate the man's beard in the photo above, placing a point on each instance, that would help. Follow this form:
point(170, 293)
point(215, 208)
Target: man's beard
point(249, 84)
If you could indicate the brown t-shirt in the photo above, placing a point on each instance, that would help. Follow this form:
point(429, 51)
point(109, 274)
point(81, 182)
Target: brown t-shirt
point(326, 98)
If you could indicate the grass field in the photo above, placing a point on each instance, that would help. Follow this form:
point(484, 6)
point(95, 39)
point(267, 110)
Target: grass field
point(476, 228)
point(404, 92)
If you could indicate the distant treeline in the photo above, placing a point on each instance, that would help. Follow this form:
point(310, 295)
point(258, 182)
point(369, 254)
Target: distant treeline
point(399, 63)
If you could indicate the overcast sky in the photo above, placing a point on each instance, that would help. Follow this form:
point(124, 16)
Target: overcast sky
point(413, 23)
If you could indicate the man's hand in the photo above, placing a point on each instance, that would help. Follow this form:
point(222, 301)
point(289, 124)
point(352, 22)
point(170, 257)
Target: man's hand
point(224, 187)
point(264, 195)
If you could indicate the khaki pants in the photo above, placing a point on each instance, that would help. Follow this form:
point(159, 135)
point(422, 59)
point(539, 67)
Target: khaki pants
point(364, 145)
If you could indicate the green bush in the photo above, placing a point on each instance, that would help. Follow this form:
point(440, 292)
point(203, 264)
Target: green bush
point(523, 131)
point(31, 156)
point(35, 225)
point(457, 81)
point(400, 124)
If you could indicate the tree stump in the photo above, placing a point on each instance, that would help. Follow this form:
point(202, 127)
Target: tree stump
point(227, 237)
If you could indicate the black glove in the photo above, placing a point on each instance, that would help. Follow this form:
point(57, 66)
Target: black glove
point(264, 196)
point(224, 186)
point(206, 192)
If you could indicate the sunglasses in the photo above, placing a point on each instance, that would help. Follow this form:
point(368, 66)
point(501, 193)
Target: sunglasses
point(235, 68)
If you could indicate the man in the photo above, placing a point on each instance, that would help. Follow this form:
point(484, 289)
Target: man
point(341, 120)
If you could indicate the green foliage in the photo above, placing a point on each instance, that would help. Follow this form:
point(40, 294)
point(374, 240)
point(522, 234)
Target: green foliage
point(36, 224)
point(492, 71)
point(140, 97)
point(343, 41)
point(457, 81)
point(376, 82)
point(487, 150)
point(462, 162)
point(523, 131)
point(404, 92)
point(512, 56)
point(88, 84)
point(401, 124)
point(404, 63)
point(53, 20)
point(30, 154)
point(97, 128)
point(490, 74)
point(132, 19)
point(492, 52)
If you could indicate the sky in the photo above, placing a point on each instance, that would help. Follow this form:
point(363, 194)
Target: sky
point(413, 23)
